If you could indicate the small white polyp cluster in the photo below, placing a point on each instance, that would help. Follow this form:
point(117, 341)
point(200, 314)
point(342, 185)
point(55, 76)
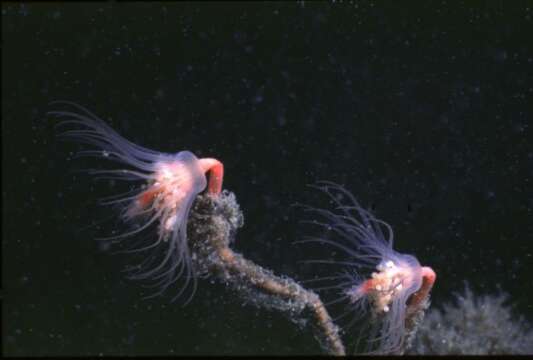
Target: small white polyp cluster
point(169, 222)
point(386, 283)
point(173, 184)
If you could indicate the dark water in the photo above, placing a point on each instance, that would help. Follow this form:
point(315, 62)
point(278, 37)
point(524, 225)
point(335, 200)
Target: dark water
point(424, 113)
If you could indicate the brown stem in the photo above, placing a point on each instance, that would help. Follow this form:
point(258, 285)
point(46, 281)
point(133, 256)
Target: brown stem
point(214, 220)
point(416, 306)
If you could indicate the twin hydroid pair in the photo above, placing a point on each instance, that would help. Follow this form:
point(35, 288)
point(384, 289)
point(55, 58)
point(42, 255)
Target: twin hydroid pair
point(166, 186)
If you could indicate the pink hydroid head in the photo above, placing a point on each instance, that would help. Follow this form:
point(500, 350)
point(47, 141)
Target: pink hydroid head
point(379, 285)
point(165, 186)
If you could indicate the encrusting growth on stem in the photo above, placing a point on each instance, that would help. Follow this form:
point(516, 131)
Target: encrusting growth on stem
point(212, 226)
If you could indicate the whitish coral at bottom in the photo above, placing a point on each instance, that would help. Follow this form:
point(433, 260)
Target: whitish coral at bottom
point(474, 324)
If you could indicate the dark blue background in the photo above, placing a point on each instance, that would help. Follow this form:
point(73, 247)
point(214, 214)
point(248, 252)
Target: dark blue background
point(423, 111)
